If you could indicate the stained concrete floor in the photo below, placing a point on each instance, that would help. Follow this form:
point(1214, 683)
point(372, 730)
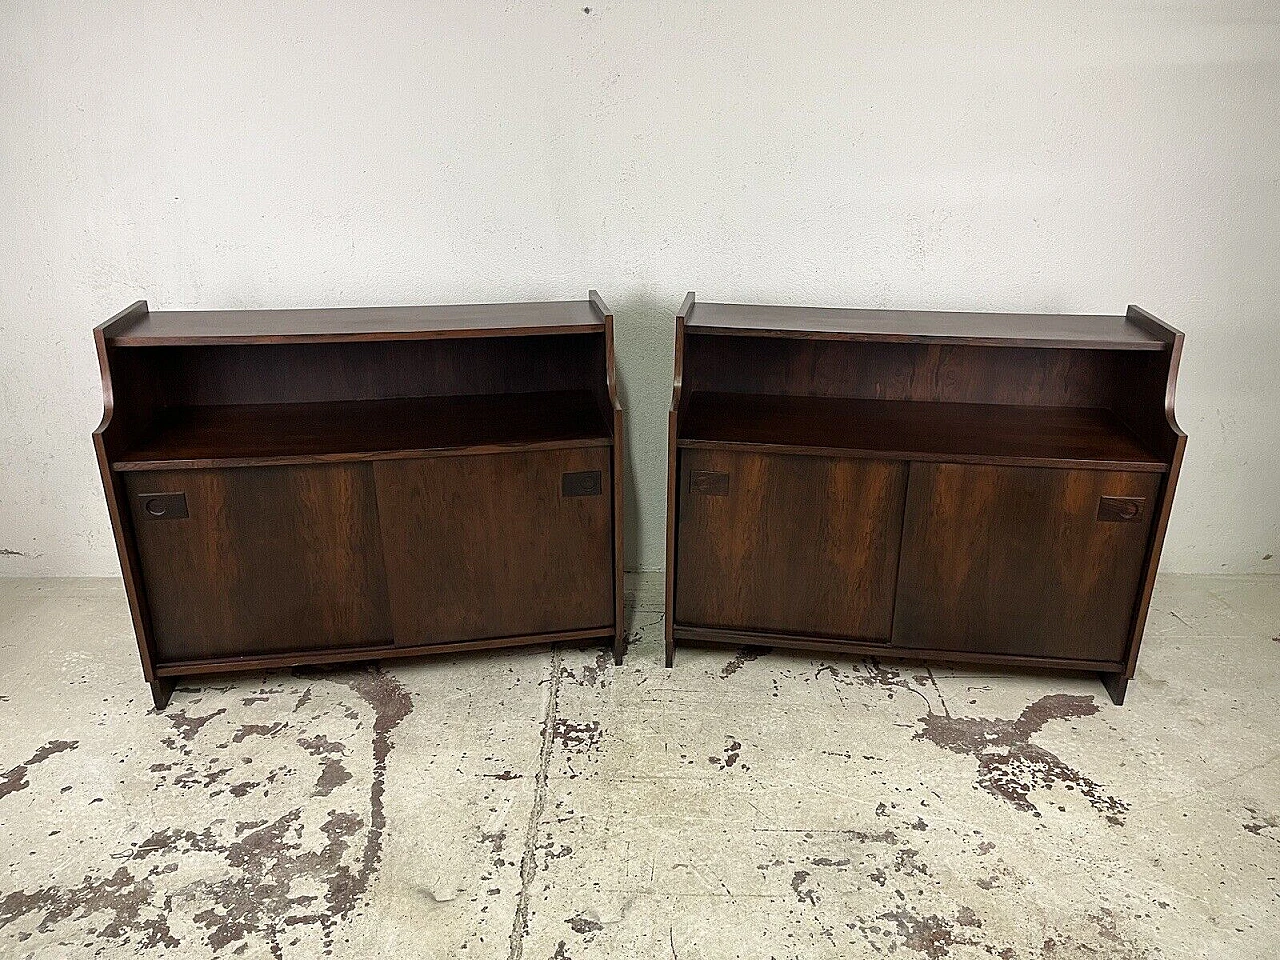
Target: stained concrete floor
point(545, 804)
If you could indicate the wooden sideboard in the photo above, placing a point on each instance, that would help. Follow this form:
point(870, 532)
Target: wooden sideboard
point(989, 488)
point(296, 487)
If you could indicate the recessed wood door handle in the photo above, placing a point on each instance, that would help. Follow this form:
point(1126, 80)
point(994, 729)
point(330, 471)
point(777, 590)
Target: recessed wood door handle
point(1121, 509)
point(582, 483)
point(163, 506)
point(709, 482)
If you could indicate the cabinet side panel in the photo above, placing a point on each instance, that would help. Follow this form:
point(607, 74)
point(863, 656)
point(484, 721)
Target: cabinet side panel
point(1021, 561)
point(803, 545)
point(266, 559)
point(498, 545)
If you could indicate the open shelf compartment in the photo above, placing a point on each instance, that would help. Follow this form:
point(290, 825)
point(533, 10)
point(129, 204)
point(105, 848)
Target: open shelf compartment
point(915, 430)
point(339, 431)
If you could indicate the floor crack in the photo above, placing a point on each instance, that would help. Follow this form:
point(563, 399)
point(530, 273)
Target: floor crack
point(529, 860)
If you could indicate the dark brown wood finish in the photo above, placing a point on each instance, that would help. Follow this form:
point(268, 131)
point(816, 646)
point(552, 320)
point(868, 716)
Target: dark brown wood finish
point(277, 661)
point(909, 430)
point(1039, 455)
point(924, 326)
point(525, 557)
point(828, 528)
point(611, 405)
point(1026, 562)
point(114, 433)
point(224, 327)
point(317, 372)
point(267, 560)
point(923, 372)
point(673, 478)
point(260, 471)
point(711, 636)
point(1148, 407)
point(260, 434)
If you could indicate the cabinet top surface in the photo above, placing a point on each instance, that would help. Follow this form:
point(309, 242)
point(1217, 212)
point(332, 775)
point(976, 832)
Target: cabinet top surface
point(176, 327)
point(1003, 329)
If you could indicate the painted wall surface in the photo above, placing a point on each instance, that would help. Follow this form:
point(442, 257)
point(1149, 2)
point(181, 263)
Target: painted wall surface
point(1043, 156)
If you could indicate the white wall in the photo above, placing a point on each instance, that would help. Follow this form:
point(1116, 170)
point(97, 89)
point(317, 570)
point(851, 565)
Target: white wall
point(1064, 156)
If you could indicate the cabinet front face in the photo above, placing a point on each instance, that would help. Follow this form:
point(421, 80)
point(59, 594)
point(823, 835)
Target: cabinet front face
point(788, 544)
point(497, 545)
point(256, 560)
point(1022, 561)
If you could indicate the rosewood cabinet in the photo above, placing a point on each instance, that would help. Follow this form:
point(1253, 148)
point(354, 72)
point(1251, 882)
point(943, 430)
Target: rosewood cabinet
point(971, 487)
point(312, 486)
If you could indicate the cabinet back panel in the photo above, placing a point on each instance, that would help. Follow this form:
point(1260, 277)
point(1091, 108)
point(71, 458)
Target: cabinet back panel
point(316, 372)
point(904, 371)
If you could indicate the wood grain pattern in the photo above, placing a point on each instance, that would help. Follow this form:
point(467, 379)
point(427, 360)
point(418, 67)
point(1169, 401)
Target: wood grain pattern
point(262, 420)
point(256, 434)
point(270, 559)
point(1081, 405)
point(1016, 561)
point(208, 374)
point(1155, 397)
point(481, 547)
point(904, 430)
point(116, 430)
point(802, 545)
point(934, 373)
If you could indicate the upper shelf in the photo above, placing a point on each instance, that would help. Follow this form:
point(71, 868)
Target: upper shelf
point(137, 327)
point(914, 326)
point(915, 430)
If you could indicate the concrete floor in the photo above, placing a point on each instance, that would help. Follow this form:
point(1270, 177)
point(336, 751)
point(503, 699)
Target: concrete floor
point(545, 804)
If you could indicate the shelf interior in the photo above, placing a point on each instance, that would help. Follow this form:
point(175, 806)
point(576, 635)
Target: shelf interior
point(916, 430)
point(230, 435)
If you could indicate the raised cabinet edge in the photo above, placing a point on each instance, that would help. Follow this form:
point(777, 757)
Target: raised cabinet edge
point(1116, 683)
point(106, 443)
point(673, 477)
point(618, 459)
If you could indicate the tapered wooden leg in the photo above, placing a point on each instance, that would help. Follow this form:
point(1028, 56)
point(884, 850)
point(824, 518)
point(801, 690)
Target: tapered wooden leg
point(1116, 684)
point(162, 690)
point(671, 648)
point(619, 646)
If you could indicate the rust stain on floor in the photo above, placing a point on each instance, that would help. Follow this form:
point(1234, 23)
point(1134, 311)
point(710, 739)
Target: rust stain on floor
point(545, 803)
point(261, 878)
point(1010, 765)
point(15, 778)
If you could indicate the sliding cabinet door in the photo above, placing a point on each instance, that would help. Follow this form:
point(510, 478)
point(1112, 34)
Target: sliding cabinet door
point(1022, 561)
point(253, 560)
point(788, 544)
point(498, 545)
